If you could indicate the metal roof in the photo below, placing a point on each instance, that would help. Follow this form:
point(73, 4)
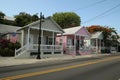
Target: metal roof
point(72, 30)
point(37, 22)
point(8, 28)
point(97, 35)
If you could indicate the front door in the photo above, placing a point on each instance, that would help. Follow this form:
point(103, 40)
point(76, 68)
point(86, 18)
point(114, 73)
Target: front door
point(31, 39)
point(77, 45)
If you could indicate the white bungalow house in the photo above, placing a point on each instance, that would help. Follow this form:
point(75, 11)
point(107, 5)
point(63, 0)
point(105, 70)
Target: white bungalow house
point(49, 30)
point(96, 42)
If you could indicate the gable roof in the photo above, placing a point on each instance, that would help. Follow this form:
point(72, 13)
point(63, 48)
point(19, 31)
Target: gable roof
point(8, 28)
point(72, 30)
point(97, 35)
point(78, 30)
point(43, 25)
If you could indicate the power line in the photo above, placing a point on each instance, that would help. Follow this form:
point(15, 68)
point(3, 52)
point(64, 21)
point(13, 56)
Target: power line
point(110, 13)
point(93, 4)
point(102, 14)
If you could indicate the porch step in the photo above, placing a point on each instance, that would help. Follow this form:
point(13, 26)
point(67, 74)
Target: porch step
point(24, 54)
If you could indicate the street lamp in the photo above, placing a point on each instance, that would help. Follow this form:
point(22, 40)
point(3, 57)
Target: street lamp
point(39, 37)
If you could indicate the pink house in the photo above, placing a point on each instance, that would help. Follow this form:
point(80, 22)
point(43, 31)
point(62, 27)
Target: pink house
point(73, 41)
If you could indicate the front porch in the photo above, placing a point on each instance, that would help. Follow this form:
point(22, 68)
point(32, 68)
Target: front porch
point(48, 47)
point(76, 45)
point(74, 41)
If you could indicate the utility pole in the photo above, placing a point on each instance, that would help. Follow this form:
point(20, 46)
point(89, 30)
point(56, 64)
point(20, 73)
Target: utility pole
point(39, 37)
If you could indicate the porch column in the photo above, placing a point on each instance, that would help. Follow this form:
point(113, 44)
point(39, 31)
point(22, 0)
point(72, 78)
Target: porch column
point(62, 43)
point(79, 42)
point(74, 44)
point(100, 46)
point(22, 38)
point(28, 40)
point(96, 45)
point(41, 43)
point(53, 45)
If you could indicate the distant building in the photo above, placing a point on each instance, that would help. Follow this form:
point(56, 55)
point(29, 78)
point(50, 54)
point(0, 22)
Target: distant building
point(9, 32)
point(9, 18)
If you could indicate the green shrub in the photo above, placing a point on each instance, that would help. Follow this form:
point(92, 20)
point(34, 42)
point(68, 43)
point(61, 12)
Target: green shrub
point(17, 45)
point(7, 52)
point(11, 46)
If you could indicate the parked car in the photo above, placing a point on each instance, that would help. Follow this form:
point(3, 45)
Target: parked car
point(113, 50)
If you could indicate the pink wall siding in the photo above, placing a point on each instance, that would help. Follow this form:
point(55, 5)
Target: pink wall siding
point(64, 40)
point(57, 40)
point(83, 31)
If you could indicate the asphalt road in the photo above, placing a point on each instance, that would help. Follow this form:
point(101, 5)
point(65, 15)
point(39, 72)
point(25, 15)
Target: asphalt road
point(95, 68)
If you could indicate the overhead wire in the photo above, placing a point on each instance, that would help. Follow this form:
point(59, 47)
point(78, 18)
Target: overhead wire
point(109, 10)
point(93, 4)
point(110, 13)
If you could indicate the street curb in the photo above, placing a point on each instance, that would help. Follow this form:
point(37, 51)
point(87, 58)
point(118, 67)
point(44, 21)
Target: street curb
point(13, 61)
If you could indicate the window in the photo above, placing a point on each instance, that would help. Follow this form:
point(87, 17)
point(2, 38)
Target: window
point(69, 42)
point(81, 43)
point(49, 40)
point(60, 41)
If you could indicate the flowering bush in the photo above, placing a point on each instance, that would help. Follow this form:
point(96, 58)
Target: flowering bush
point(7, 48)
point(96, 28)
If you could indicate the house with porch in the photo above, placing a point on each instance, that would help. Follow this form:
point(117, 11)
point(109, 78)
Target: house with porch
point(74, 41)
point(96, 42)
point(48, 47)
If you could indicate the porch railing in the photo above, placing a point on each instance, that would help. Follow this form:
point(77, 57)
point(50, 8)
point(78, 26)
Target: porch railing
point(85, 48)
point(45, 47)
point(20, 50)
point(71, 48)
point(34, 47)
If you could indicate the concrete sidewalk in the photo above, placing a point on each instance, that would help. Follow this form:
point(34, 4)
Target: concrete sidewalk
point(10, 61)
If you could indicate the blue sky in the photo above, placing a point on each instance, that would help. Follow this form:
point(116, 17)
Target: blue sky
point(86, 9)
